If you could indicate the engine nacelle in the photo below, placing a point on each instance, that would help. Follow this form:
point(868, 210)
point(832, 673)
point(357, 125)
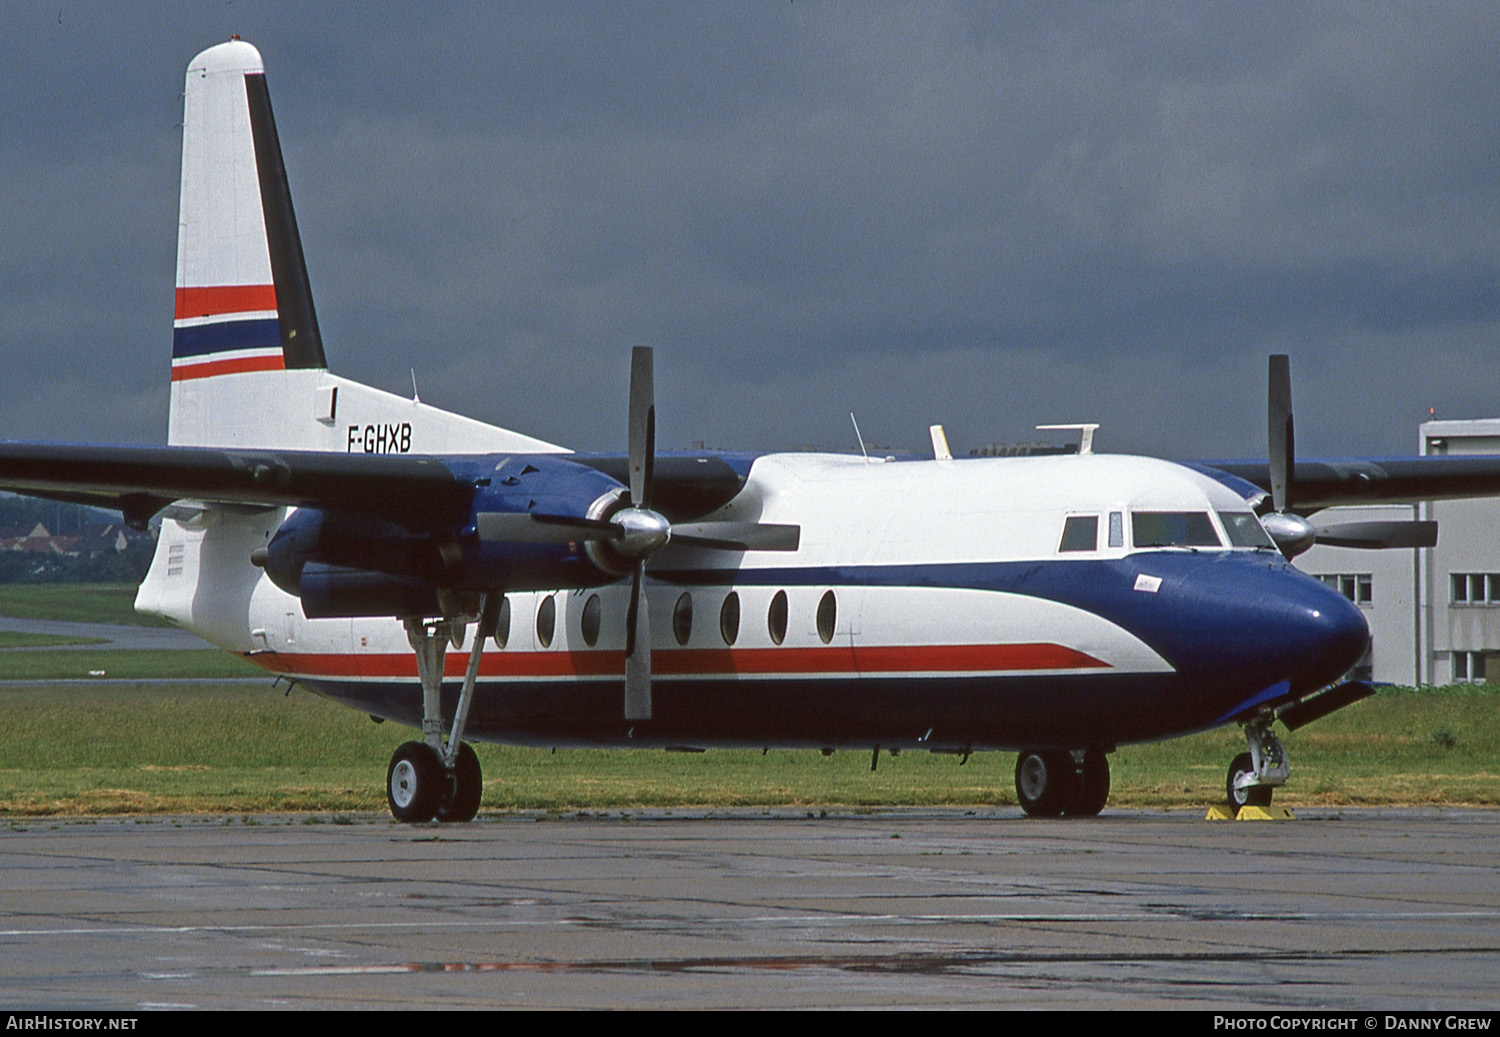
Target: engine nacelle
point(355, 564)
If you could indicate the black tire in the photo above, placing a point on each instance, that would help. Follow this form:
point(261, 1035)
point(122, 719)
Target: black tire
point(1254, 795)
point(1046, 782)
point(464, 788)
point(1092, 791)
point(415, 783)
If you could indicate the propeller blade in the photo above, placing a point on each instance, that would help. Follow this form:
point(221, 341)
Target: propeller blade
point(526, 527)
point(642, 426)
point(738, 536)
point(1281, 448)
point(638, 650)
point(1378, 535)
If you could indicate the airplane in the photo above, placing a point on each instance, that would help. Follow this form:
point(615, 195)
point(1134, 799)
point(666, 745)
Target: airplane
point(480, 584)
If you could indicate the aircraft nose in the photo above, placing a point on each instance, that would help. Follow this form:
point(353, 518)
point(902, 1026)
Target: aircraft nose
point(1264, 623)
point(1324, 633)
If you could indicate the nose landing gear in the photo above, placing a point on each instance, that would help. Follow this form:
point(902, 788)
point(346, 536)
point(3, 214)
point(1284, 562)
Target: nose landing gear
point(1255, 775)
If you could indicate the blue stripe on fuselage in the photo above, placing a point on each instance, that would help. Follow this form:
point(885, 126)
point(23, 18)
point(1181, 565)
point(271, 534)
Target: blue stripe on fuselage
point(1247, 618)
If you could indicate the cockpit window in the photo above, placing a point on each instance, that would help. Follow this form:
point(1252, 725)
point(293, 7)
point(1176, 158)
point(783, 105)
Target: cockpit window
point(1080, 533)
point(1173, 529)
point(1244, 529)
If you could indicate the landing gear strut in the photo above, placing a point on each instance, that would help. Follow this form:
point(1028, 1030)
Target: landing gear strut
point(435, 778)
point(1253, 776)
point(1057, 782)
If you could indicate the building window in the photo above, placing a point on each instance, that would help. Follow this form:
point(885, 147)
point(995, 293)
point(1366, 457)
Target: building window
point(1357, 587)
point(1474, 588)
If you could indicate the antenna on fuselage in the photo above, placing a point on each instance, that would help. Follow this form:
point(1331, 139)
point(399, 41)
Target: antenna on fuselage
point(940, 451)
point(1085, 441)
point(859, 437)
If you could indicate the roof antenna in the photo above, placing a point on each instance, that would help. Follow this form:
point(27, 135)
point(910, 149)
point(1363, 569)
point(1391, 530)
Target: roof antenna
point(859, 437)
point(414, 397)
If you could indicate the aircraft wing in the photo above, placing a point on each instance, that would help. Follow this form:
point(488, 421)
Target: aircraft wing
point(418, 492)
point(139, 481)
point(1405, 480)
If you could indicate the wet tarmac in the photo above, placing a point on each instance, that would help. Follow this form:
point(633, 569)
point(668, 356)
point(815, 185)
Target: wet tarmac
point(1352, 909)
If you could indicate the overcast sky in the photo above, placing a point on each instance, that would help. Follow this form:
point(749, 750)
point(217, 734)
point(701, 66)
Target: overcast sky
point(987, 215)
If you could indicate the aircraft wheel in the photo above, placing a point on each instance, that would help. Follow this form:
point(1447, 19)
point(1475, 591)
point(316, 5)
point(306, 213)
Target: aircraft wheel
point(464, 789)
point(1046, 781)
point(1250, 796)
point(415, 782)
point(1092, 791)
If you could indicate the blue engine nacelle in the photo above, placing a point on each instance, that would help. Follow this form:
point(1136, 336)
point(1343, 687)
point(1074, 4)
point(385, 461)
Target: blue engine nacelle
point(344, 563)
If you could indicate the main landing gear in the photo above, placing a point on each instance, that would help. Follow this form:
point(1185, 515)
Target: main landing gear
point(1058, 782)
point(435, 778)
point(1253, 776)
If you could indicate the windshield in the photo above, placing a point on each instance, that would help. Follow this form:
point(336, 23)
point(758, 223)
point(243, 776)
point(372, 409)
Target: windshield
point(1244, 529)
point(1173, 529)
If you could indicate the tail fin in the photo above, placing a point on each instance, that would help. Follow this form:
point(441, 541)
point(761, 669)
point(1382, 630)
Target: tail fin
point(247, 359)
point(243, 299)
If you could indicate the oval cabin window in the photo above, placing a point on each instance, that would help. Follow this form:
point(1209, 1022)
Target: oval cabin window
point(729, 618)
point(682, 619)
point(776, 617)
point(589, 621)
point(546, 621)
point(828, 609)
point(502, 623)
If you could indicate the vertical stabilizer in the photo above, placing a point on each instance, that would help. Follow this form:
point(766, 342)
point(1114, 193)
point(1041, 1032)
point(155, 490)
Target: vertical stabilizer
point(243, 300)
point(247, 360)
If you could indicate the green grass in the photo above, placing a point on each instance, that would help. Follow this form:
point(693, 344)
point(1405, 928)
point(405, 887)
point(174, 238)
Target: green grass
point(76, 602)
point(243, 747)
point(126, 664)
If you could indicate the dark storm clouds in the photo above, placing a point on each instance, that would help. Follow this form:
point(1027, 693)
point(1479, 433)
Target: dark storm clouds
point(986, 215)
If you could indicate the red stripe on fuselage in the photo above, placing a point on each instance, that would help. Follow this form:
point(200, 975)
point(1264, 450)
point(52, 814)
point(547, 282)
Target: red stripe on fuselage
point(229, 298)
point(234, 365)
point(705, 662)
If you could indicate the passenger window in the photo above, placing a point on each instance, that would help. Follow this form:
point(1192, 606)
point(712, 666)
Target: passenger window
point(827, 615)
point(590, 620)
point(776, 617)
point(1080, 533)
point(546, 621)
point(729, 618)
point(682, 619)
point(502, 623)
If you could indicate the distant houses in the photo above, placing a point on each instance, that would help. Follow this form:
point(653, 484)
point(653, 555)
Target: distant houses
point(90, 541)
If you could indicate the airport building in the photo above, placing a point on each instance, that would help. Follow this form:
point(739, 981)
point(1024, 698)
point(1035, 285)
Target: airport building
point(1434, 613)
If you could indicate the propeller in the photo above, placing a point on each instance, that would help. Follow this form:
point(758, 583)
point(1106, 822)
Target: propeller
point(1293, 533)
point(636, 531)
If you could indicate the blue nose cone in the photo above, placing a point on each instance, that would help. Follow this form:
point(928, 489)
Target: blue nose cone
point(1322, 633)
point(1257, 622)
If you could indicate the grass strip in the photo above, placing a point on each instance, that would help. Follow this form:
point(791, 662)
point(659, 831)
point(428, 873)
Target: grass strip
point(83, 750)
point(75, 602)
point(126, 664)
